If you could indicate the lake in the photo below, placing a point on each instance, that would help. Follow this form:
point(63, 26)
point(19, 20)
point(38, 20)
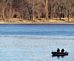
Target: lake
point(35, 42)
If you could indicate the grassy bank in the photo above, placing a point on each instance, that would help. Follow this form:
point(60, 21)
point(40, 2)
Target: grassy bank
point(37, 21)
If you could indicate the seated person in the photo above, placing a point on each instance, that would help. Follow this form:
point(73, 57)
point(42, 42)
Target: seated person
point(62, 50)
point(58, 50)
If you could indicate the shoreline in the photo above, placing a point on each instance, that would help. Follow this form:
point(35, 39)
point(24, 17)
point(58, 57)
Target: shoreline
point(37, 22)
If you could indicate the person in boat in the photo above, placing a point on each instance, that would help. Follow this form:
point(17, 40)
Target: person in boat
point(58, 50)
point(62, 50)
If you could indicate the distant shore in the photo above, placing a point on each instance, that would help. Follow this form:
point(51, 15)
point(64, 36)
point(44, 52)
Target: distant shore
point(40, 21)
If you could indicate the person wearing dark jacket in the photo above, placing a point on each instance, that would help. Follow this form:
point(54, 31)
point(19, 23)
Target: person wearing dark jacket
point(58, 50)
point(62, 50)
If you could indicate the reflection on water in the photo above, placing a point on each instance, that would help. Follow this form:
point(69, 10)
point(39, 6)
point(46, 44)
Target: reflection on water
point(58, 57)
point(35, 48)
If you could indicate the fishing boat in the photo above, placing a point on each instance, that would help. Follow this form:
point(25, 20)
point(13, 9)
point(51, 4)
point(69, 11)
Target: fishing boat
point(59, 53)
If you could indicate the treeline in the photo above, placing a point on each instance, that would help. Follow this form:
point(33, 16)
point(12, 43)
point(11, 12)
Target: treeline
point(36, 9)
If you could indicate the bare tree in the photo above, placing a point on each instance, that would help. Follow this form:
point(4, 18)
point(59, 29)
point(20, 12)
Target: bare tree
point(35, 9)
point(46, 8)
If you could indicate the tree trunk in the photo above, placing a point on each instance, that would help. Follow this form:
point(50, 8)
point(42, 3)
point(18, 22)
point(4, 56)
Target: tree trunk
point(68, 15)
point(33, 11)
point(46, 8)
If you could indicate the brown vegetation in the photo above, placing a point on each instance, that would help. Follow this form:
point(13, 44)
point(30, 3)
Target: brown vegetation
point(35, 10)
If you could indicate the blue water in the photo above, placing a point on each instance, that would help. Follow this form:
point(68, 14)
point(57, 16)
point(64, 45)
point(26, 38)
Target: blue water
point(35, 42)
point(37, 30)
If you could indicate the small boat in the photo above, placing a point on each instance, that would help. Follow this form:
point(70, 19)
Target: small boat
point(59, 53)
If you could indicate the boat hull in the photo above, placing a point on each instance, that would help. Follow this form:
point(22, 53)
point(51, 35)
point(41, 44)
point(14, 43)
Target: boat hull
point(59, 53)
